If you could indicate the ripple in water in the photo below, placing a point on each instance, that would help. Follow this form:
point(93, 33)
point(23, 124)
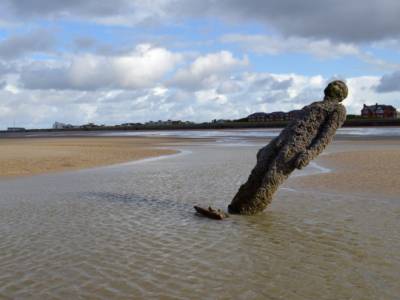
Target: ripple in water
point(129, 232)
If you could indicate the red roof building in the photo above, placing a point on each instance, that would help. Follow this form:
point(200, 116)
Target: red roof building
point(379, 111)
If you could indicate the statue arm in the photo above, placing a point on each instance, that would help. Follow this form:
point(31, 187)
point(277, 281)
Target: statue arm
point(324, 137)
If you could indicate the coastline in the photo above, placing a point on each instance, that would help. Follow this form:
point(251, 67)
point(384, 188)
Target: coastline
point(361, 165)
point(21, 157)
point(278, 124)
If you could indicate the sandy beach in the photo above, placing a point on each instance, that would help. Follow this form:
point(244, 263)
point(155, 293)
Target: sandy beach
point(129, 231)
point(361, 166)
point(370, 166)
point(364, 167)
point(31, 156)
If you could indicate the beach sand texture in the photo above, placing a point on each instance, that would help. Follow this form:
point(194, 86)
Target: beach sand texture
point(30, 156)
point(363, 167)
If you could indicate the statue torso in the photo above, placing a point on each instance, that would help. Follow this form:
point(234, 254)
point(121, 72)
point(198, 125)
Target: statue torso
point(301, 132)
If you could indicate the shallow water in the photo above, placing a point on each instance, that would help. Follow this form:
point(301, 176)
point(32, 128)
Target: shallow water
point(222, 135)
point(227, 135)
point(129, 231)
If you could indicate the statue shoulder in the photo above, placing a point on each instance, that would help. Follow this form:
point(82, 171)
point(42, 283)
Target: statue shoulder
point(340, 112)
point(341, 109)
point(313, 106)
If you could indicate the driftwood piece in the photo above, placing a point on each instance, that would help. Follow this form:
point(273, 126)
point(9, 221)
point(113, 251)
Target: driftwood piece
point(211, 213)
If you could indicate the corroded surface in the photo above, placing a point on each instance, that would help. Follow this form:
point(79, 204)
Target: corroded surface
point(300, 142)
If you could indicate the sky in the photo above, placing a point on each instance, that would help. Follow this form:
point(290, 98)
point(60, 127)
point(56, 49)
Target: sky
point(113, 62)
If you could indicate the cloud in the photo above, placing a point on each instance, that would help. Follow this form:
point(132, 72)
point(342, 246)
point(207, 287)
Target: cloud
point(84, 42)
point(141, 68)
point(94, 75)
point(271, 92)
point(207, 70)
point(389, 83)
point(49, 8)
point(234, 96)
point(331, 19)
point(45, 77)
point(322, 48)
point(273, 45)
point(362, 90)
point(6, 67)
point(352, 21)
point(120, 12)
point(378, 63)
point(16, 46)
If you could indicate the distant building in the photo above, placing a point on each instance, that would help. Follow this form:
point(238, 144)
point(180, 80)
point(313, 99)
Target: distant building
point(278, 116)
point(59, 125)
point(90, 125)
point(15, 129)
point(165, 123)
point(258, 117)
point(379, 111)
point(274, 116)
point(129, 124)
point(219, 121)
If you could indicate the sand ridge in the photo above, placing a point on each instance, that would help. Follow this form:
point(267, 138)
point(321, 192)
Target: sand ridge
point(31, 156)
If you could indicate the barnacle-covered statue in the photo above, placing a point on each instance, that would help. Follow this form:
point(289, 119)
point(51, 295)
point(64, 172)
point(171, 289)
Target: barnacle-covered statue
point(300, 142)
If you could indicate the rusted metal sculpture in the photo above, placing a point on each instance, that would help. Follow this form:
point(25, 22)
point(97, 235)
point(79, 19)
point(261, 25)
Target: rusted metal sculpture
point(299, 143)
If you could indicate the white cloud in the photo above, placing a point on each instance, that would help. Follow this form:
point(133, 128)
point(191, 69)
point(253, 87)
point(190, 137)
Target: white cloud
point(253, 92)
point(206, 96)
point(136, 88)
point(141, 68)
point(207, 70)
point(113, 85)
point(362, 90)
point(319, 48)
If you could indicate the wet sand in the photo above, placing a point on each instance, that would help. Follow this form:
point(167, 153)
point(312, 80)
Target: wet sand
point(31, 156)
point(363, 167)
point(129, 231)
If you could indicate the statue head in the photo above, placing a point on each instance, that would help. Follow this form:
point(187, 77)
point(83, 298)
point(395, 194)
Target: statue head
point(336, 90)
